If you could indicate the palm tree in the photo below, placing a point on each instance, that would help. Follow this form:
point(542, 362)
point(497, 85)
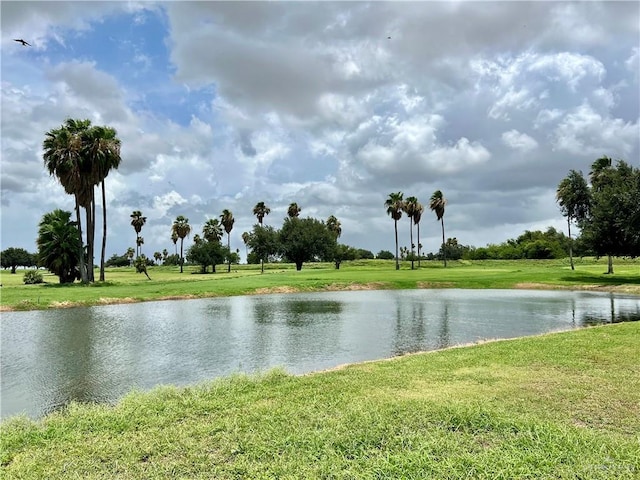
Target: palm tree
point(260, 210)
point(394, 206)
point(599, 178)
point(212, 230)
point(137, 222)
point(334, 226)
point(227, 221)
point(245, 238)
point(63, 158)
point(58, 245)
point(437, 204)
point(157, 256)
point(174, 239)
point(104, 148)
point(573, 198)
point(139, 243)
point(409, 207)
point(294, 210)
point(130, 253)
point(181, 228)
point(417, 216)
point(165, 254)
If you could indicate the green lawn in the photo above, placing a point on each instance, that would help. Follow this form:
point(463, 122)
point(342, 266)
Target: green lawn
point(124, 284)
point(563, 405)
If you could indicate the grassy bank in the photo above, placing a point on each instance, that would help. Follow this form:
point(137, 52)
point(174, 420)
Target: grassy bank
point(564, 405)
point(125, 285)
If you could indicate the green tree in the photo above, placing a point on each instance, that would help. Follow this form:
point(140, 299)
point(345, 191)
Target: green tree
point(81, 156)
point(394, 206)
point(212, 230)
point(294, 210)
point(174, 239)
point(181, 228)
point(157, 256)
point(16, 257)
point(137, 222)
point(303, 240)
point(130, 254)
point(410, 207)
point(417, 216)
point(59, 245)
point(104, 148)
point(263, 242)
point(610, 227)
point(574, 198)
point(245, 239)
point(437, 204)
point(227, 221)
point(207, 253)
point(384, 255)
point(260, 210)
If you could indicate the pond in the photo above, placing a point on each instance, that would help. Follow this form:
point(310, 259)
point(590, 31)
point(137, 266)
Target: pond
point(98, 354)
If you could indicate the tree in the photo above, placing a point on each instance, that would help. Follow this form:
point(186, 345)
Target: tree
point(574, 198)
point(394, 206)
point(174, 239)
point(157, 256)
point(63, 158)
point(611, 226)
point(260, 210)
point(417, 216)
point(294, 210)
point(212, 230)
point(410, 207)
point(333, 225)
point(205, 253)
point(181, 228)
point(137, 222)
point(58, 245)
point(303, 240)
point(245, 239)
point(141, 265)
point(130, 254)
point(437, 204)
point(16, 257)
point(165, 254)
point(227, 221)
point(104, 147)
point(263, 242)
point(384, 255)
point(81, 156)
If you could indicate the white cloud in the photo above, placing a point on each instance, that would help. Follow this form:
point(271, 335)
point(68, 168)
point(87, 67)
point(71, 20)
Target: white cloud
point(519, 141)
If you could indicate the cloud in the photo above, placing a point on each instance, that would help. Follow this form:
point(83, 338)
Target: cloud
point(519, 141)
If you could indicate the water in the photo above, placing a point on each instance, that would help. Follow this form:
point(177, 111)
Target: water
point(98, 354)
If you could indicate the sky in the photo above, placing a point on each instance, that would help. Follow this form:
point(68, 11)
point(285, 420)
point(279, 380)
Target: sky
point(332, 105)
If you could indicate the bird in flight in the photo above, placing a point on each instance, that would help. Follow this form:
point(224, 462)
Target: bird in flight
point(23, 42)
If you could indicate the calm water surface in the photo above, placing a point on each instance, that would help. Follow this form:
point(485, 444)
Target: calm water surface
point(49, 358)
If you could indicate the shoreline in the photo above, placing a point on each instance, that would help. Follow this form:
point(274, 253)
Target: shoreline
point(619, 289)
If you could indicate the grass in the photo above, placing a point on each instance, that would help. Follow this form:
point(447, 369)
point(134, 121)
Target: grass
point(125, 285)
point(563, 405)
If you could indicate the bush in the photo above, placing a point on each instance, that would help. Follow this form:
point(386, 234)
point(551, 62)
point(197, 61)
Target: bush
point(385, 255)
point(32, 277)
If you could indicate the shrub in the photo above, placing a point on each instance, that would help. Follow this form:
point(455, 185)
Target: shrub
point(32, 277)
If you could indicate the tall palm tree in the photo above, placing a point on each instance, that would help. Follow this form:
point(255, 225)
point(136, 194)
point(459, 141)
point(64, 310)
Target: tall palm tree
point(409, 207)
point(437, 203)
point(212, 230)
point(181, 228)
point(260, 210)
point(573, 198)
point(139, 243)
point(157, 256)
point(394, 206)
point(246, 236)
point(165, 254)
point(104, 148)
point(334, 226)
point(294, 210)
point(227, 221)
point(174, 239)
point(137, 222)
point(63, 158)
point(417, 216)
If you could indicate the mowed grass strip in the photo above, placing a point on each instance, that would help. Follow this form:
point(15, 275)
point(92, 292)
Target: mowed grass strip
point(563, 405)
point(125, 285)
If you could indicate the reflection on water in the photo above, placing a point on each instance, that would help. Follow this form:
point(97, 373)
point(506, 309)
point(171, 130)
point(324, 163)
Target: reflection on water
point(49, 358)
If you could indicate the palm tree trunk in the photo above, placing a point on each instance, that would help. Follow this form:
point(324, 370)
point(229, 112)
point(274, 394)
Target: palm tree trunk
point(418, 245)
point(104, 233)
point(570, 243)
point(262, 265)
point(83, 267)
point(229, 248)
point(444, 247)
point(181, 260)
point(395, 222)
point(610, 265)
